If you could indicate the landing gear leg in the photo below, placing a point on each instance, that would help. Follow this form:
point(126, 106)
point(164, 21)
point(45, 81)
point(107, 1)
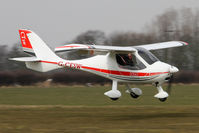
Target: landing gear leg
point(113, 94)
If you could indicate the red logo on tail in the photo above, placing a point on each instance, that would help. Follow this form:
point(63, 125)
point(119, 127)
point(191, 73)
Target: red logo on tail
point(24, 38)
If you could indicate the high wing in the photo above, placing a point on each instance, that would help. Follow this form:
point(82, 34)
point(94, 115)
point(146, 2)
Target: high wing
point(94, 47)
point(163, 45)
point(154, 46)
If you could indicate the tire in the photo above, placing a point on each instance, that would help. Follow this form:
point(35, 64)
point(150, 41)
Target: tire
point(114, 99)
point(163, 99)
point(133, 95)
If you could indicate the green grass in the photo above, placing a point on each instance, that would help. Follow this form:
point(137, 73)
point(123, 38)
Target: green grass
point(94, 96)
point(87, 110)
point(138, 119)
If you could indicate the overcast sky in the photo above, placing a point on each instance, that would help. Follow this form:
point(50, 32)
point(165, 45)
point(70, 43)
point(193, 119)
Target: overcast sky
point(58, 21)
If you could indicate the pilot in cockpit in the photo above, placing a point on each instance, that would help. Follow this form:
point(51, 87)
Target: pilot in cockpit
point(125, 59)
point(129, 60)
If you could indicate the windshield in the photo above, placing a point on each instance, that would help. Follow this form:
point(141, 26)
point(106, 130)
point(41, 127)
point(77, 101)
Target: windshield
point(147, 56)
point(129, 61)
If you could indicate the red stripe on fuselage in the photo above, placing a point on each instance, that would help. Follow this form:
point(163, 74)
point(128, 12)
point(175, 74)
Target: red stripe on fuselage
point(48, 62)
point(122, 73)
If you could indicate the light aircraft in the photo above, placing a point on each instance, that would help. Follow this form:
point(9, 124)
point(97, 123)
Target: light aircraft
point(134, 64)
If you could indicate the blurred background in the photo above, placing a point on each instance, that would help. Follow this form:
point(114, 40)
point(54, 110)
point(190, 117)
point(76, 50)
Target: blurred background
point(104, 22)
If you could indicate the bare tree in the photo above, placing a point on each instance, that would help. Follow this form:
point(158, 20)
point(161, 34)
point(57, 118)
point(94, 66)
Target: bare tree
point(91, 37)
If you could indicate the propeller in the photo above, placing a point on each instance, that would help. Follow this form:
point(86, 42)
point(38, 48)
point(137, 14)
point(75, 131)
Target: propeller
point(170, 85)
point(172, 70)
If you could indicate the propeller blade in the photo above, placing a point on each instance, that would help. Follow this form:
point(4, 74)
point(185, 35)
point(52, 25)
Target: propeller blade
point(170, 85)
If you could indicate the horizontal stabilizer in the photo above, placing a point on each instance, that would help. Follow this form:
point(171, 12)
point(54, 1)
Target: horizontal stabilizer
point(25, 59)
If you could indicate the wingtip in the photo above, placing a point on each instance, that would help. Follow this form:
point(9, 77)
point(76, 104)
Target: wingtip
point(184, 43)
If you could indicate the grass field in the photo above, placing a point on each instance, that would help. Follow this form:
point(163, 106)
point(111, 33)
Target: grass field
point(86, 110)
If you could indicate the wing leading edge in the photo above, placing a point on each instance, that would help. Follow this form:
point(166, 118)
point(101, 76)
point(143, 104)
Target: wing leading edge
point(94, 47)
point(154, 46)
point(163, 45)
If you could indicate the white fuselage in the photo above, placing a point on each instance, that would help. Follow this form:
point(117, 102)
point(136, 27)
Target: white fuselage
point(107, 66)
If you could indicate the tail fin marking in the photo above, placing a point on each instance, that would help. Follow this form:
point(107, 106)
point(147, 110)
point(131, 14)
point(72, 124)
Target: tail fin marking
point(26, 45)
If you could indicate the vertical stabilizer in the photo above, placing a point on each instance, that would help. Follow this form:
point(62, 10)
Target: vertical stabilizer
point(32, 42)
point(44, 58)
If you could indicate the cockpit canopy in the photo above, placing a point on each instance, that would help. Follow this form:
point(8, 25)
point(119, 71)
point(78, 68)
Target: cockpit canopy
point(130, 61)
point(147, 56)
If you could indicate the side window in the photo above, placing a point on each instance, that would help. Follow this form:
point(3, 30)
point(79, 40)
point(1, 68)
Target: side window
point(129, 61)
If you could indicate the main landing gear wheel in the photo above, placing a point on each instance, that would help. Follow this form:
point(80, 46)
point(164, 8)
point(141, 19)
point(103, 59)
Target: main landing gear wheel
point(163, 99)
point(113, 94)
point(133, 95)
point(134, 92)
point(114, 99)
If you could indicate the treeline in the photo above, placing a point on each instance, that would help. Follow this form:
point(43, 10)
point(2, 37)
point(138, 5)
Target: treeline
point(174, 24)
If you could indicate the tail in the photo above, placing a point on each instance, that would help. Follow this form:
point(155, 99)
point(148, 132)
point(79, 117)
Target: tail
point(44, 58)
